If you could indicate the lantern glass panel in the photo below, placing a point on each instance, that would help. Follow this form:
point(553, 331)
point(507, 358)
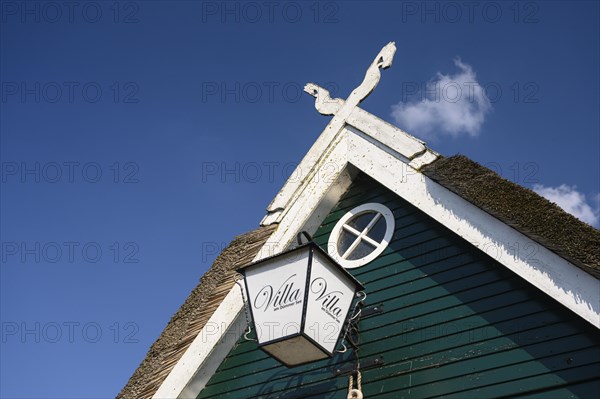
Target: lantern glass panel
point(276, 290)
point(330, 294)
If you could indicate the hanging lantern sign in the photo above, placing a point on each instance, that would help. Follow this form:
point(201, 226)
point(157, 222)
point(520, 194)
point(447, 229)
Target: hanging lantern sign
point(299, 301)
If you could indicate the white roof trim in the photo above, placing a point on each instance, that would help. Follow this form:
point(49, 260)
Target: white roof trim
point(393, 158)
point(346, 113)
point(568, 284)
point(214, 341)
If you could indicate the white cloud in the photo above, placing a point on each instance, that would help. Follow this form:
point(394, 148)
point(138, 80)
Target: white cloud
point(450, 105)
point(572, 201)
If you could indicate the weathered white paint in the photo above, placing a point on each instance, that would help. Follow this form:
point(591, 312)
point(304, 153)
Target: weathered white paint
point(306, 168)
point(387, 134)
point(332, 197)
point(384, 132)
point(214, 358)
point(423, 159)
point(215, 340)
point(547, 271)
point(323, 101)
point(310, 194)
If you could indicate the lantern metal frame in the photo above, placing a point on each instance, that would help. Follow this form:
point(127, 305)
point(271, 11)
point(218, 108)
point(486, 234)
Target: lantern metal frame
point(312, 248)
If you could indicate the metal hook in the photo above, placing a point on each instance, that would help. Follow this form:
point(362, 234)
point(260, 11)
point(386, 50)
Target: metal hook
point(248, 332)
point(237, 278)
point(357, 314)
point(345, 348)
point(363, 296)
point(305, 234)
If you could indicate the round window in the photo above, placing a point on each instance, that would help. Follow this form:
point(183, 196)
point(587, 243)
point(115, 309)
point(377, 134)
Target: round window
point(361, 235)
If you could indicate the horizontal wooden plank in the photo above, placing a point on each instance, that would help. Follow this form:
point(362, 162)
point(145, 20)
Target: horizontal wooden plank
point(566, 390)
point(492, 375)
point(456, 346)
point(403, 218)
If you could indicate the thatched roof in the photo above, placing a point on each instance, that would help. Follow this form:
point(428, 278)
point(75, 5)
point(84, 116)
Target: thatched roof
point(193, 315)
point(522, 209)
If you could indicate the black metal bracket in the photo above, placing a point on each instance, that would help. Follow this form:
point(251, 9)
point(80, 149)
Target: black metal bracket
point(305, 234)
point(366, 363)
point(371, 310)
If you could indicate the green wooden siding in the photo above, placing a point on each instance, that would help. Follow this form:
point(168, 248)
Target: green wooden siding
point(456, 324)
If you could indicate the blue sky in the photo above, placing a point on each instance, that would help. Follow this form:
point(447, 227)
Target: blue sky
point(138, 138)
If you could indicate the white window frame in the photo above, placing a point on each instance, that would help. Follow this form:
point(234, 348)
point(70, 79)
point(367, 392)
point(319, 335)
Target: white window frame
point(341, 225)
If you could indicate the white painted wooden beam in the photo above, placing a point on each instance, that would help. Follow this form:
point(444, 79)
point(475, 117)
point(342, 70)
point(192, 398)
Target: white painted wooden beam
point(553, 275)
point(218, 336)
point(342, 110)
